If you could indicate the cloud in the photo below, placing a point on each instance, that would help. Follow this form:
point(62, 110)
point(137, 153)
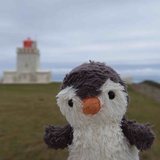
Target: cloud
point(71, 32)
point(61, 70)
point(103, 53)
point(141, 72)
point(110, 47)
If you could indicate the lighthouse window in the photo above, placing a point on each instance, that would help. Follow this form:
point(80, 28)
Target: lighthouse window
point(24, 76)
point(26, 65)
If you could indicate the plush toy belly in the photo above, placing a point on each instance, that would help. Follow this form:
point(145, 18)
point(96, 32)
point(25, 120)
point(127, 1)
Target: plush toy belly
point(102, 143)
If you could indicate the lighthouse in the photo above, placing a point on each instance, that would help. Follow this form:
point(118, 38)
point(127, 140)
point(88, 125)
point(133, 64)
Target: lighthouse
point(28, 66)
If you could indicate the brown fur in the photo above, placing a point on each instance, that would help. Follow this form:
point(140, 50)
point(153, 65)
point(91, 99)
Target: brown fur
point(58, 137)
point(89, 77)
point(140, 135)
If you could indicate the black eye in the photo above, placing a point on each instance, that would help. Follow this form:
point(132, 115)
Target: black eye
point(111, 94)
point(70, 103)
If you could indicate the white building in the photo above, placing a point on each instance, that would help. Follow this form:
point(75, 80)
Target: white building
point(28, 62)
point(127, 80)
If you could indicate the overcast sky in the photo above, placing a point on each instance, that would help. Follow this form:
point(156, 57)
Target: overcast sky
point(123, 33)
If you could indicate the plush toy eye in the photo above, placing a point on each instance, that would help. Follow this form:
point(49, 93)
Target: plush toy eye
point(70, 103)
point(111, 95)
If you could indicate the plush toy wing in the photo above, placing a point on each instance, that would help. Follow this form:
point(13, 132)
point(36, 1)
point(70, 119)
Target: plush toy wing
point(58, 137)
point(140, 135)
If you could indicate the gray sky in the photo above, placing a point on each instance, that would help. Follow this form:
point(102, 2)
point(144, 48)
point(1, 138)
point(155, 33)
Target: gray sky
point(123, 33)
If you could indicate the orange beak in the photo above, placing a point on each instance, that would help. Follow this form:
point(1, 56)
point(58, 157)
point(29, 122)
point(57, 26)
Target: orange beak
point(91, 105)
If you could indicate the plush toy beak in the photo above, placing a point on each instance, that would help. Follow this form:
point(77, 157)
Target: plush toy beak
point(91, 105)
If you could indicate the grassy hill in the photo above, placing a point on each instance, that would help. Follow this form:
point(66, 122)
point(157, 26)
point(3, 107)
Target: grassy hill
point(152, 83)
point(26, 109)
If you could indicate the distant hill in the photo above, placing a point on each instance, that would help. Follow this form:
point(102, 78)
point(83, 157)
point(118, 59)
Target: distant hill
point(151, 83)
point(149, 88)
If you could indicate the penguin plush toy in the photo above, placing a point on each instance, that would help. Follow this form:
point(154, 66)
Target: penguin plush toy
point(94, 100)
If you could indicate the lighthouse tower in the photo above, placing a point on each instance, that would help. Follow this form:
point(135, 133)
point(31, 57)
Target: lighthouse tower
point(28, 63)
point(28, 57)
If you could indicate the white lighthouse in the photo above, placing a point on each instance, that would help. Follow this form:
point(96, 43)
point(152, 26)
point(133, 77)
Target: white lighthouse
point(28, 63)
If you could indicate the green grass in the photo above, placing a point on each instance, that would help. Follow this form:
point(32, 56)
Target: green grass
point(146, 110)
point(26, 109)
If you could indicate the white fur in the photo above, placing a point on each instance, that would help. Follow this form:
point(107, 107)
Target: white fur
point(99, 136)
point(101, 143)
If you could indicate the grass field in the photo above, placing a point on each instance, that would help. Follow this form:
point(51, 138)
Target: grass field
point(26, 109)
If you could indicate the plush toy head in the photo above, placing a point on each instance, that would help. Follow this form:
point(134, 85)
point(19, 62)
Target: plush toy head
point(93, 93)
